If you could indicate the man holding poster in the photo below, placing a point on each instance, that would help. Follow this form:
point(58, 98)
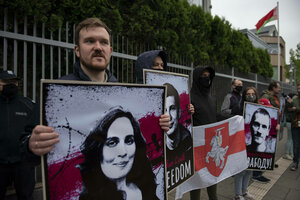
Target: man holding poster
point(93, 50)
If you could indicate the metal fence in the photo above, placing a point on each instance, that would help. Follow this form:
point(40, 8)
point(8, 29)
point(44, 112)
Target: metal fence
point(35, 53)
point(32, 52)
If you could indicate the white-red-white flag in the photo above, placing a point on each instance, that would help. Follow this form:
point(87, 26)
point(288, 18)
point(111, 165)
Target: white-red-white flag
point(219, 153)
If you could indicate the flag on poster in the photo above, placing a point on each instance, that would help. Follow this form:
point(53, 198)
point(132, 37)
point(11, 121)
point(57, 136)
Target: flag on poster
point(219, 153)
point(272, 15)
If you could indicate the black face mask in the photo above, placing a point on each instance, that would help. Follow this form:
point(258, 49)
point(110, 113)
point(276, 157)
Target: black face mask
point(9, 90)
point(238, 89)
point(205, 82)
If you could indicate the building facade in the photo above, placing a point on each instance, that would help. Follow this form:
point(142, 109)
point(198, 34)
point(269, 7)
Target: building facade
point(269, 35)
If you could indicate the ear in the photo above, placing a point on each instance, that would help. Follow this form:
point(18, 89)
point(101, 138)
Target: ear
point(76, 49)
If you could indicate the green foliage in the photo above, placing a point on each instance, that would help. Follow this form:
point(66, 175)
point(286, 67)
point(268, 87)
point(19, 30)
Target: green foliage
point(295, 60)
point(181, 29)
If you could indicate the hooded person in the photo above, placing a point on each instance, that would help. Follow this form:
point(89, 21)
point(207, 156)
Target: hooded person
point(205, 111)
point(204, 103)
point(94, 56)
point(155, 59)
point(16, 117)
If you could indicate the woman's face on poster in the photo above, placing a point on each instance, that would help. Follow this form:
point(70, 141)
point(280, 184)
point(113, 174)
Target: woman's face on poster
point(119, 149)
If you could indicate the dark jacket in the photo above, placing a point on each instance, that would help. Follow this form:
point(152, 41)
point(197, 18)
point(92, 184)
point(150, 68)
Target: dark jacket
point(231, 104)
point(145, 61)
point(16, 117)
point(204, 103)
point(294, 114)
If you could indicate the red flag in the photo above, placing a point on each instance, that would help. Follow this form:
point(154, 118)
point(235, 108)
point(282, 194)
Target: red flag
point(272, 15)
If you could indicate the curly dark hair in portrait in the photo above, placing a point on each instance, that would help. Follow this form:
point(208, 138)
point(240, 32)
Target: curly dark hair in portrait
point(95, 184)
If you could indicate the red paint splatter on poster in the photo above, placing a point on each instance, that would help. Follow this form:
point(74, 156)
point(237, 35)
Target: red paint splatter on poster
point(64, 178)
point(153, 135)
point(185, 118)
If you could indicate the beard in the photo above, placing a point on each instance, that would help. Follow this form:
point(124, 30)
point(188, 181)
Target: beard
point(91, 67)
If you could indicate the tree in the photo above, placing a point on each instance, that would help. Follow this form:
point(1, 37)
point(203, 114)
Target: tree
point(181, 29)
point(295, 60)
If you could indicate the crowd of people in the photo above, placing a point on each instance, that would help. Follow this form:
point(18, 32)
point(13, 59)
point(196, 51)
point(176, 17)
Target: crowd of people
point(23, 140)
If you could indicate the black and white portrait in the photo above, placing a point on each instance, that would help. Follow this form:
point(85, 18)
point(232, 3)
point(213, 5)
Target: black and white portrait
point(109, 136)
point(260, 134)
point(178, 140)
point(260, 126)
point(116, 150)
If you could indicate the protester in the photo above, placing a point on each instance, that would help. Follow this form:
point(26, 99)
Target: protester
point(205, 112)
point(232, 101)
point(16, 116)
point(294, 108)
point(288, 124)
point(93, 48)
point(154, 59)
point(271, 94)
point(241, 180)
point(120, 160)
point(269, 97)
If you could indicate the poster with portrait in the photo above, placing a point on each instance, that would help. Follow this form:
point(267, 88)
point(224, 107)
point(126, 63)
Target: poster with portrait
point(110, 141)
point(178, 140)
point(260, 135)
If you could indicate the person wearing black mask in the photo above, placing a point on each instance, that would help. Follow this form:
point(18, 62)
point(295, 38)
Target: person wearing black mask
point(232, 101)
point(15, 118)
point(205, 112)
